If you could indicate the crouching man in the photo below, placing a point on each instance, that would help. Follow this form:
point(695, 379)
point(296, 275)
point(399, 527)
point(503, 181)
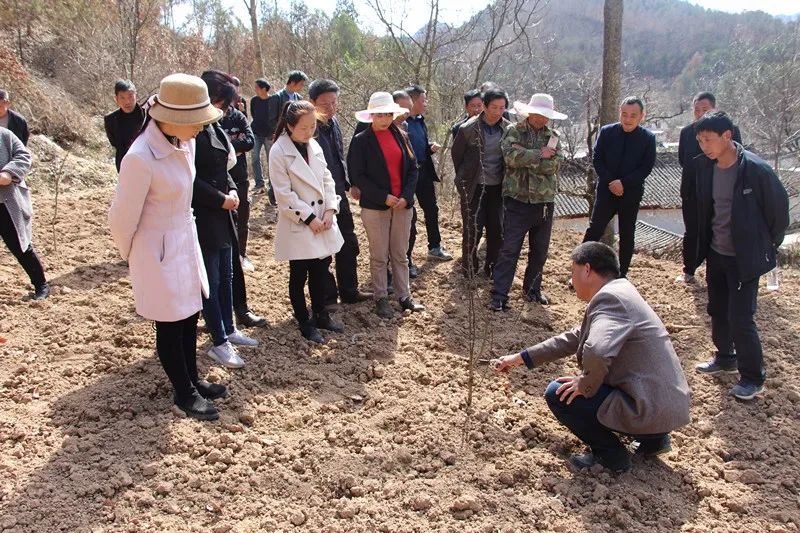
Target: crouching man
point(631, 381)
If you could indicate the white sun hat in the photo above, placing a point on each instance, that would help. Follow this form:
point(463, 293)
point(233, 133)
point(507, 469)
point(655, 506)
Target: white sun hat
point(540, 104)
point(380, 102)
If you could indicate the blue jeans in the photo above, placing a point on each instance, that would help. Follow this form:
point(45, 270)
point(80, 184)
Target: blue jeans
point(218, 307)
point(580, 417)
point(256, 155)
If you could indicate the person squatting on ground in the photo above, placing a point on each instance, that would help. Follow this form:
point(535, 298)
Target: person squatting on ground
point(631, 382)
point(307, 234)
point(624, 155)
point(382, 166)
point(16, 210)
point(532, 153)
point(214, 200)
point(742, 214)
point(123, 125)
point(688, 150)
point(479, 165)
point(152, 227)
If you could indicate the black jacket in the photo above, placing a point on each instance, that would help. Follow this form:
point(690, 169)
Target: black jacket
point(628, 157)
point(215, 228)
point(759, 214)
point(329, 137)
point(688, 149)
point(274, 107)
point(368, 170)
point(427, 168)
point(18, 125)
point(234, 123)
point(122, 128)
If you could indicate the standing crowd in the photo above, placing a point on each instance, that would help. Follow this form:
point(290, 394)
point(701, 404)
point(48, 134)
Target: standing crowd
point(180, 218)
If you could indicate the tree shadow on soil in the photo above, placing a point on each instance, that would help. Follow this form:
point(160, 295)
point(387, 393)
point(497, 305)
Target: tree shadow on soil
point(88, 277)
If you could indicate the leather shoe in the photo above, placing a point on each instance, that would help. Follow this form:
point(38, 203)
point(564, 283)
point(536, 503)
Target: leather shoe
point(248, 319)
point(309, 332)
point(537, 297)
point(41, 292)
point(195, 406)
point(587, 460)
point(211, 391)
point(356, 297)
point(324, 321)
point(413, 271)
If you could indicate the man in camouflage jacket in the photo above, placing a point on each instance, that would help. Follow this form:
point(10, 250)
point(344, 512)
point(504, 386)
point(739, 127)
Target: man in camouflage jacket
point(532, 154)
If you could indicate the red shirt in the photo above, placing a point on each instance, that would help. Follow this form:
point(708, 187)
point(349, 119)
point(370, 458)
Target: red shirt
point(394, 159)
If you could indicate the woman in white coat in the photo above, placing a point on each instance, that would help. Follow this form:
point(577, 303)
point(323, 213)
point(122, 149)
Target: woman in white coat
point(307, 234)
point(153, 228)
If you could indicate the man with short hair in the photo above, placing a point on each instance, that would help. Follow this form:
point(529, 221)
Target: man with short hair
point(631, 380)
point(688, 150)
point(478, 162)
point(473, 105)
point(742, 213)
point(324, 94)
point(624, 155)
point(123, 125)
point(426, 192)
point(262, 136)
point(12, 120)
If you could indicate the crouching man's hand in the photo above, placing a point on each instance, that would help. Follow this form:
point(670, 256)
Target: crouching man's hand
point(569, 389)
point(506, 363)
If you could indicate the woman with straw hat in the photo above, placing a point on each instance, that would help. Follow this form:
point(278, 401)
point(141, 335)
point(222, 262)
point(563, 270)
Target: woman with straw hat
point(382, 165)
point(153, 228)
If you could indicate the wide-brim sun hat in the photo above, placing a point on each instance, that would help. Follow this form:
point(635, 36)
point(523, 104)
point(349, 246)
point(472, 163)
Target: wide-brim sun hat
point(540, 104)
point(380, 102)
point(182, 99)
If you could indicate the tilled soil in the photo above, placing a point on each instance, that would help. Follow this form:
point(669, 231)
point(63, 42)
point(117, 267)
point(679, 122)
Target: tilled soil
point(369, 432)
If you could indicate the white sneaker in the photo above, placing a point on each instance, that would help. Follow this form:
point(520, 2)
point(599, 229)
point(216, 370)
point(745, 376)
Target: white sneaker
point(247, 265)
point(684, 278)
point(240, 339)
point(226, 355)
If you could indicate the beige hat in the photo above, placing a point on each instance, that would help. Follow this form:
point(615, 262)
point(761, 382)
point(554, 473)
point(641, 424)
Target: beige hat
point(380, 102)
point(183, 100)
point(540, 104)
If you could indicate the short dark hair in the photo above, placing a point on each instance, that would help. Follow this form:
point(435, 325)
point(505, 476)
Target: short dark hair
point(494, 94)
point(397, 95)
point(4, 95)
point(705, 95)
point(414, 91)
point(263, 83)
point(220, 87)
point(633, 100)
point(121, 86)
point(320, 87)
point(600, 257)
point(470, 95)
point(296, 76)
point(717, 121)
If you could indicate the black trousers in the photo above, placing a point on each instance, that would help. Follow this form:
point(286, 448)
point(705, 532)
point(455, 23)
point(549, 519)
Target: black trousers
point(426, 198)
point(483, 210)
point(345, 283)
point(176, 344)
point(316, 272)
point(239, 288)
point(732, 306)
point(28, 259)
point(242, 214)
point(626, 207)
point(689, 210)
point(521, 219)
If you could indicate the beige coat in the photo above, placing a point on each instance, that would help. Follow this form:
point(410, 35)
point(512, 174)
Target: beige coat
point(302, 189)
point(153, 228)
point(624, 344)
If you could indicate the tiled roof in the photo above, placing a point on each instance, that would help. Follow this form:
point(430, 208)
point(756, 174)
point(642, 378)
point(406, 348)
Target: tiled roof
point(657, 241)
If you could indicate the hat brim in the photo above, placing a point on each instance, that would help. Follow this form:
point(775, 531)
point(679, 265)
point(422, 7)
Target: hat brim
point(524, 110)
point(195, 117)
point(365, 115)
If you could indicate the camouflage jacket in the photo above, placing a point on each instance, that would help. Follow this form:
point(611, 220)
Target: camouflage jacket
point(528, 177)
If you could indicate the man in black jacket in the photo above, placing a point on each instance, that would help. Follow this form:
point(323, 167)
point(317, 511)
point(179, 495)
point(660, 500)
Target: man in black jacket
point(258, 110)
point(124, 124)
point(324, 94)
point(473, 106)
point(624, 155)
point(11, 119)
point(743, 213)
point(688, 149)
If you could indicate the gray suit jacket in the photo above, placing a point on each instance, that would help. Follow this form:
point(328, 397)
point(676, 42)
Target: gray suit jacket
point(624, 344)
point(16, 160)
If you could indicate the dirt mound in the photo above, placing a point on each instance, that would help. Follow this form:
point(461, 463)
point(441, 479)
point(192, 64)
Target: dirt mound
point(68, 170)
point(369, 432)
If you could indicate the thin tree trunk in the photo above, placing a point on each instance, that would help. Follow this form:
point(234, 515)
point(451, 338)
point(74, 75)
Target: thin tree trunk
point(612, 61)
point(252, 7)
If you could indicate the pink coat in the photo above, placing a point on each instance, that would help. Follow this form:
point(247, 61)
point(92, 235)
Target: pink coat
point(153, 227)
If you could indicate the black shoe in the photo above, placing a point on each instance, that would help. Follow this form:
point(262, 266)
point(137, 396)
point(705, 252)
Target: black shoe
point(498, 306)
point(271, 195)
point(587, 460)
point(383, 308)
point(195, 406)
point(356, 297)
point(311, 333)
point(718, 365)
point(409, 304)
point(653, 447)
point(248, 319)
point(537, 297)
point(324, 321)
point(413, 271)
point(211, 391)
point(41, 292)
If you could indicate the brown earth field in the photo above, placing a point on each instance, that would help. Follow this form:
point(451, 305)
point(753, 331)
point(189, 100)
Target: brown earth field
point(369, 432)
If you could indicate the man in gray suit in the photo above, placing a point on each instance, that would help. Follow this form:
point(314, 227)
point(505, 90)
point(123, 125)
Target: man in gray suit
point(631, 382)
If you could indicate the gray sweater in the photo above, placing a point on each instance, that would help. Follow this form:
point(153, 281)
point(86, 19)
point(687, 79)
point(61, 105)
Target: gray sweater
point(16, 160)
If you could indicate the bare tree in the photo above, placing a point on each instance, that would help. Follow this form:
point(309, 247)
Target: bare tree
point(252, 8)
point(136, 17)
